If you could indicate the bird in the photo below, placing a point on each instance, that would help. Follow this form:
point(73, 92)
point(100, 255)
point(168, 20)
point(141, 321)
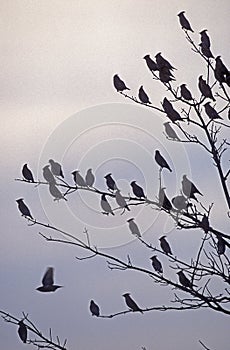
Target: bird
point(164, 202)
point(220, 70)
point(22, 331)
point(54, 191)
point(23, 208)
point(211, 112)
point(165, 75)
point(27, 174)
point(185, 93)
point(180, 202)
point(221, 245)
point(170, 132)
point(111, 184)
point(205, 40)
point(205, 223)
point(184, 22)
point(205, 88)
point(119, 84)
point(131, 303)
point(156, 264)
point(206, 51)
point(78, 179)
point(94, 308)
point(143, 97)
point(161, 161)
point(56, 168)
point(48, 176)
point(48, 282)
point(184, 280)
point(188, 188)
point(162, 62)
point(133, 227)
point(137, 190)
point(121, 200)
point(89, 178)
point(165, 246)
point(105, 205)
point(150, 63)
point(172, 114)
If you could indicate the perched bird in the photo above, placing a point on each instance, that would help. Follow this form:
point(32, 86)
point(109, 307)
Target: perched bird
point(161, 161)
point(94, 308)
point(119, 84)
point(89, 178)
point(56, 168)
point(156, 264)
point(180, 202)
point(48, 282)
point(206, 51)
point(110, 182)
point(184, 280)
point(137, 190)
point(165, 246)
point(121, 200)
point(188, 188)
point(27, 174)
point(170, 132)
point(211, 112)
point(164, 202)
point(48, 176)
point(78, 179)
point(23, 208)
point(185, 93)
point(143, 97)
point(205, 223)
point(105, 205)
point(184, 22)
point(172, 114)
point(220, 70)
point(22, 331)
point(205, 40)
point(134, 228)
point(205, 88)
point(54, 191)
point(131, 303)
point(150, 63)
point(165, 75)
point(162, 62)
point(221, 245)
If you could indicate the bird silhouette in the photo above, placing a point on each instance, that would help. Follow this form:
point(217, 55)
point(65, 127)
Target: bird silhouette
point(180, 202)
point(156, 264)
point(54, 191)
point(172, 114)
point(105, 205)
point(185, 93)
point(170, 132)
point(221, 245)
point(205, 223)
point(220, 71)
point(133, 228)
point(119, 84)
point(165, 246)
point(211, 112)
point(184, 22)
point(161, 161)
point(143, 97)
point(165, 75)
point(184, 280)
point(205, 40)
point(131, 303)
point(78, 179)
point(206, 51)
point(27, 174)
point(48, 282)
point(94, 308)
point(23, 208)
point(89, 178)
point(48, 176)
point(164, 202)
point(150, 63)
point(110, 182)
point(205, 88)
point(137, 190)
point(56, 168)
point(22, 331)
point(121, 200)
point(188, 188)
point(162, 62)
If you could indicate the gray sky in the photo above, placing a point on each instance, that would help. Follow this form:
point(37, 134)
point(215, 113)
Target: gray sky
point(57, 101)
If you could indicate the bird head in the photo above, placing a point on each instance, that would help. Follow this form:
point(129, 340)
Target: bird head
point(133, 183)
point(130, 220)
point(125, 294)
point(181, 13)
point(200, 77)
point(146, 56)
point(203, 31)
point(153, 257)
point(45, 167)
point(74, 172)
point(107, 175)
point(51, 161)
point(162, 237)
point(158, 54)
point(19, 200)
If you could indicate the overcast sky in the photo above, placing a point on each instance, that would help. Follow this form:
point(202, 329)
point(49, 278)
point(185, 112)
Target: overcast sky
point(57, 101)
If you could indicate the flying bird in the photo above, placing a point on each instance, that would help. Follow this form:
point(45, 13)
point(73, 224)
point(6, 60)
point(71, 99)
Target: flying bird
point(165, 246)
point(105, 205)
point(205, 40)
point(184, 280)
point(161, 161)
point(162, 62)
point(133, 227)
point(22, 331)
point(121, 200)
point(89, 178)
point(143, 97)
point(54, 191)
point(220, 70)
point(27, 174)
point(170, 132)
point(78, 179)
point(137, 190)
point(205, 88)
point(119, 84)
point(188, 188)
point(110, 182)
point(150, 63)
point(23, 208)
point(184, 22)
point(156, 264)
point(221, 245)
point(131, 303)
point(56, 168)
point(206, 51)
point(94, 308)
point(48, 176)
point(180, 202)
point(185, 93)
point(211, 112)
point(164, 202)
point(48, 282)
